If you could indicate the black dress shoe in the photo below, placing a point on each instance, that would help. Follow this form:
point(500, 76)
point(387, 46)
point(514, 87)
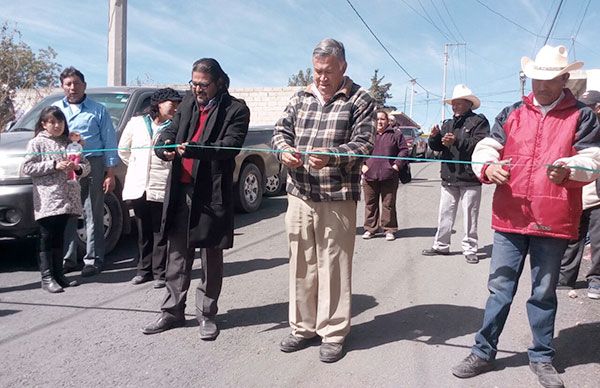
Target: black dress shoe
point(140, 279)
point(69, 267)
point(164, 323)
point(433, 252)
point(208, 329)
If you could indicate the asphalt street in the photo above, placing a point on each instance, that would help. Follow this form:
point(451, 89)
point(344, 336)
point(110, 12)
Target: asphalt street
point(413, 316)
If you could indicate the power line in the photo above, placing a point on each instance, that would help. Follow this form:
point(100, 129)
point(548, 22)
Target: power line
point(442, 19)
point(553, 21)
point(427, 20)
point(454, 24)
point(579, 28)
point(509, 20)
point(388, 51)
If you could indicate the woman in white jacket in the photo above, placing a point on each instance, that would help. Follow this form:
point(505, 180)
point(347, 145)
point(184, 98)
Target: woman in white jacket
point(145, 182)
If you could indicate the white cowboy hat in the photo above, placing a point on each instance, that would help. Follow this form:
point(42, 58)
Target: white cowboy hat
point(462, 92)
point(550, 62)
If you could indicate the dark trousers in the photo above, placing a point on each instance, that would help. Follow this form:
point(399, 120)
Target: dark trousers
point(152, 245)
point(387, 190)
point(179, 267)
point(569, 266)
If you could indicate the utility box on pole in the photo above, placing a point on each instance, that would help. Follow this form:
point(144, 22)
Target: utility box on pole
point(117, 42)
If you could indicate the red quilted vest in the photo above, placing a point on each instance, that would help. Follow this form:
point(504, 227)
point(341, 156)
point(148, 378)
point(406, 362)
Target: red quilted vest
point(530, 204)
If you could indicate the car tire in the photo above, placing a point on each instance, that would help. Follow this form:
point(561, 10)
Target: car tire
point(275, 184)
point(113, 225)
point(249, 188)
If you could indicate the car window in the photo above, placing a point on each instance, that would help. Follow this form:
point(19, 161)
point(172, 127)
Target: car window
point(407, 132)
point(114, 103)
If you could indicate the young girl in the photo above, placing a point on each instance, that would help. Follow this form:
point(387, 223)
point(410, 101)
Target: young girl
point(55, 199)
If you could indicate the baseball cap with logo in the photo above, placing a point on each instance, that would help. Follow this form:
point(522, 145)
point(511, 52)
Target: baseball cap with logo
point(590, 98)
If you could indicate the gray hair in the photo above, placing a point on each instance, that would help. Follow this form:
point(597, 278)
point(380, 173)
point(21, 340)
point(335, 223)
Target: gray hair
point(328, 47)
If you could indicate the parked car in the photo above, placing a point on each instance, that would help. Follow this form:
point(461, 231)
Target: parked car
point(416, 144)
point(16, 200)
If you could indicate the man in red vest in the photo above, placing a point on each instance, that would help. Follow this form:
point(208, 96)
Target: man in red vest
point(540, 152)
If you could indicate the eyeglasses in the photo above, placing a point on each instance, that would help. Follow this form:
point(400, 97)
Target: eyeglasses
point(202, 85)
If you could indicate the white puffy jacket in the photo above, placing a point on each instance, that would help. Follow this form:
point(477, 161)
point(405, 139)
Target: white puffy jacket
point(145, 171)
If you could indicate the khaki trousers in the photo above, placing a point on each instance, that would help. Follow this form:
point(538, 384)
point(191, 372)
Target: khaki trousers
point(321, 242)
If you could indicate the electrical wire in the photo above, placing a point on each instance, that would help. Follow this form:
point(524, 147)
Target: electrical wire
point(453, 23)
point(553, 22)
point(388, 51)
point(435, 8)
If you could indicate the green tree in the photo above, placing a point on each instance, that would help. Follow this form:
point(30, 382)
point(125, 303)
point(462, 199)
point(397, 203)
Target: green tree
point(302, 78)
point(21, 68)
point(379, 92)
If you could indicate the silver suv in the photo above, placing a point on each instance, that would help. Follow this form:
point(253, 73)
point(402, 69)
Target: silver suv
point(16, 200)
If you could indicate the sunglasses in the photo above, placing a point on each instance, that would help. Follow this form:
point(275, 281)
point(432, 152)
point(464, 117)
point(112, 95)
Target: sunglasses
point(202, 85)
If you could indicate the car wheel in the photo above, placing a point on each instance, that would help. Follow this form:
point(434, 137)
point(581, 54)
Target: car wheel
point(249, 188)
point(275, 184)
point(112, 220)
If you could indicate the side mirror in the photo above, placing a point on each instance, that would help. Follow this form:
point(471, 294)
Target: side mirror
point(8, 126)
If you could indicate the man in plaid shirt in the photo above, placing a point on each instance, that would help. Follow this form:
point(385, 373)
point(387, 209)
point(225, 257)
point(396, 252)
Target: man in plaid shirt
point(322, 133)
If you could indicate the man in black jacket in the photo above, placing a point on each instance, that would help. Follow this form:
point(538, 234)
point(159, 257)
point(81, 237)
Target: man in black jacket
point(198, 206)
point(456, 141)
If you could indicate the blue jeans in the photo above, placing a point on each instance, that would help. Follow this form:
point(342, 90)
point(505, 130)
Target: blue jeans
point(92, 196)
point(508, 258)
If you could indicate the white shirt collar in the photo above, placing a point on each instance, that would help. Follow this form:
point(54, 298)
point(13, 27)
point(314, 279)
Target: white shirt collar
point(547, 108)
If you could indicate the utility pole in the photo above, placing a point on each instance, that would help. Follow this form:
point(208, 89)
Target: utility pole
point(446, 45)
point(412, 93)
point(117, 42)
point(522, 79)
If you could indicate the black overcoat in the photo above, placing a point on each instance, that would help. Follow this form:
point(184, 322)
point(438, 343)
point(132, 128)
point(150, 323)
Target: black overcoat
point(210, 224)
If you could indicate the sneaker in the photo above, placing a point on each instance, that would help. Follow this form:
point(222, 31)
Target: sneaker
point(472, 366)
point(291, 343)
point(594, 291)
point(367, 235)
point(331, 352)
point(389, 236)
point(547, 375)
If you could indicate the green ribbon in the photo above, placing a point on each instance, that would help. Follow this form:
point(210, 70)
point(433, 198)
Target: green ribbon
point(326, 153)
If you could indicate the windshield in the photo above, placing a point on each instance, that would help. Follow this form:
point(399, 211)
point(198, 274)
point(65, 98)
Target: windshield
point(114, 103)
point(407, 132)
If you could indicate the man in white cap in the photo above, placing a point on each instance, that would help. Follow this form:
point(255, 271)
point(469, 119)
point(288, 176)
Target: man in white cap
point(540, 152)
point(456, 141)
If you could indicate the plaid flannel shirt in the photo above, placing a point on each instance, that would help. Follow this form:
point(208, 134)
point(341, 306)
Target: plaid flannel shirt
point(345, 124)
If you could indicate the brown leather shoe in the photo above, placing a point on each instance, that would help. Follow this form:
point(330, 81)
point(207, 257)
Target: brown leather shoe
point(331, 352)
point(291, 343)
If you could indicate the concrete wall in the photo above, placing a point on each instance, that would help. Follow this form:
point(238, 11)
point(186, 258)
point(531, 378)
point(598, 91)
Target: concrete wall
point(266, 104)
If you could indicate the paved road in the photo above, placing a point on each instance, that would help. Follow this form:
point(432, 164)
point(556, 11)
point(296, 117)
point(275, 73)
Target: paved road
point(413, 317)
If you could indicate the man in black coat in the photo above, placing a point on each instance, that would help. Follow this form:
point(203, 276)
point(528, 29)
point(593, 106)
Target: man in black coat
point(198, 207)
point(456, 141)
